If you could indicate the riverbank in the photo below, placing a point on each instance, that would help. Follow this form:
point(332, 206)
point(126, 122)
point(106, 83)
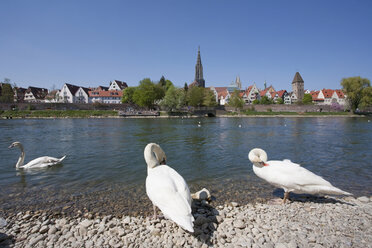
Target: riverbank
point(51, 114)
point(311, 222)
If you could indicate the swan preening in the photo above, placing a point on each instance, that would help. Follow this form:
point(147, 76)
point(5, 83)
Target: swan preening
point(37, 162)
point(167, 189)
point(290, 176)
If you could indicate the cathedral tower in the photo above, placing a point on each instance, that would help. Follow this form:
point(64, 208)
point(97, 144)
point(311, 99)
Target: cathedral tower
point(199, 72)
point(298, 86)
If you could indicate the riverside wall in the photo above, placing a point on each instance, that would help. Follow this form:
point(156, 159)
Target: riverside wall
point(67, 106)
point(126, 107)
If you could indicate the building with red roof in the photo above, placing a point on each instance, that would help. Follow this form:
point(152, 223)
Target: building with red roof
point(106, 96)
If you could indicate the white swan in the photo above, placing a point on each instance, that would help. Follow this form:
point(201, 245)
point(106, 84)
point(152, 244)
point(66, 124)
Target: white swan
point(167, 189)
point(37, 162)
point(290, 176)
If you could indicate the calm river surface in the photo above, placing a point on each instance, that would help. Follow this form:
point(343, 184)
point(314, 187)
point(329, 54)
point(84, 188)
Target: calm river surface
point(105, 170)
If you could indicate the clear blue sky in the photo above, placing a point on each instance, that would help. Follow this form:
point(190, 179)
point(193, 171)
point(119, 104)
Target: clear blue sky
point(89, 43)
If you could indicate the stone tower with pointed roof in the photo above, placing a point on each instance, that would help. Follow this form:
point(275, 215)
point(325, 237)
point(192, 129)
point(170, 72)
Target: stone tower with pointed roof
point(238, 82)
point(298, 86)
point(199, 80)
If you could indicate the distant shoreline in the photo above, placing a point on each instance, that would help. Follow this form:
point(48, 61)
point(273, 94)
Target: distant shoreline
point(186, 117)
point(53, 114)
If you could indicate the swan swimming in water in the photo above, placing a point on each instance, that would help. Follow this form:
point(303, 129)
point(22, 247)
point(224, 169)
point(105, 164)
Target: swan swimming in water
point(167, 189)
point(37, 162)
point(290, 176)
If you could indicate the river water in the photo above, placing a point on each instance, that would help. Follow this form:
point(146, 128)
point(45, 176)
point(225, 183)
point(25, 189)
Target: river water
point(105, 171)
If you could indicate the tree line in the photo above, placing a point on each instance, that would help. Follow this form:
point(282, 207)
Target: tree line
point(163, 93)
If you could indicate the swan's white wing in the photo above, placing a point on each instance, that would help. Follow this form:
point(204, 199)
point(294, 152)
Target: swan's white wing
point(170, 193)
point(293, 177)
point(43, 162)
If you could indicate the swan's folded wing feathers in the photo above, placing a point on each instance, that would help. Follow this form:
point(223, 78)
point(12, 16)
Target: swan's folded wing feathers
point(293, 175)
point(181, 185)
point(167, 192)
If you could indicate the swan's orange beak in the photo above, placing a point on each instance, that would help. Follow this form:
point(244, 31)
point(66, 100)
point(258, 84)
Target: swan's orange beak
point(264, 164)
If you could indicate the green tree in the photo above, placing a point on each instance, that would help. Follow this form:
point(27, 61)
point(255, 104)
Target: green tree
point(209, 98)
point(162, 82)
point(186, 87)
point(128, 95)
point(195, 96)
point(366, 98)
point(266, 100)
point(308, 99)
point(235, 100)
point(353, 88)
point(256, 101)
point(168, 84)
point(174, 99)
point(165, 83)
point(147, 93)
point(280, 101)
point(7, 94)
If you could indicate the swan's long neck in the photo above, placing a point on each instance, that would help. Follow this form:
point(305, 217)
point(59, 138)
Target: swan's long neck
point(21, 158)
point(150, 157)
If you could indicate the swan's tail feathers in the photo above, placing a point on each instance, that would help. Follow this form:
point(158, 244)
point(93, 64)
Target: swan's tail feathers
point(184, 221)
point(334, 191)
point(61, 159)
point(345, 193)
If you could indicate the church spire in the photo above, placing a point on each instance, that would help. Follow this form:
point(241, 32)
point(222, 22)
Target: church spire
point(199, 71)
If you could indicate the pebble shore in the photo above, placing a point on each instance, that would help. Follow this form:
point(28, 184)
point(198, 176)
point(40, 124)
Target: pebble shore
point(312, 222)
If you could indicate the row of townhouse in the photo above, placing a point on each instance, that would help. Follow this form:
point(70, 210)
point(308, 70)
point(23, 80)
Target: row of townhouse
point(328, 97)
point(72, 94)
point(223, 94)
point(101, 94)
point(325, 96)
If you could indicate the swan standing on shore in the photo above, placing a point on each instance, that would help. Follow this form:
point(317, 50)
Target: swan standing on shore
point(290, 176)
point(37, 162)
point(167, 189)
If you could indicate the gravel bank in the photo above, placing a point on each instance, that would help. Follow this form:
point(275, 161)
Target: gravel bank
point(323, 222)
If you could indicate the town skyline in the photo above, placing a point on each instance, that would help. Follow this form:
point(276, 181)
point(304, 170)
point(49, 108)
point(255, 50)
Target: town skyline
point(93, 44)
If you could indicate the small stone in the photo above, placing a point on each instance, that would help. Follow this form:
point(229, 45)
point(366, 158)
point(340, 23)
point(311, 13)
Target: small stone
point(82, 231)
point(35, 229)
point(46, 222)
point(35, 240)
point(52, 230)
point(292, 244)
point(86, 223)
point(89, 243)
point(200, 220)
point(203, 194)
point(155, 232)
point(363, 199)
point(126, 220)
point(26, 217)
point(234, 204)
point(239, 224)
point(3, 223)
point(43, 229)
